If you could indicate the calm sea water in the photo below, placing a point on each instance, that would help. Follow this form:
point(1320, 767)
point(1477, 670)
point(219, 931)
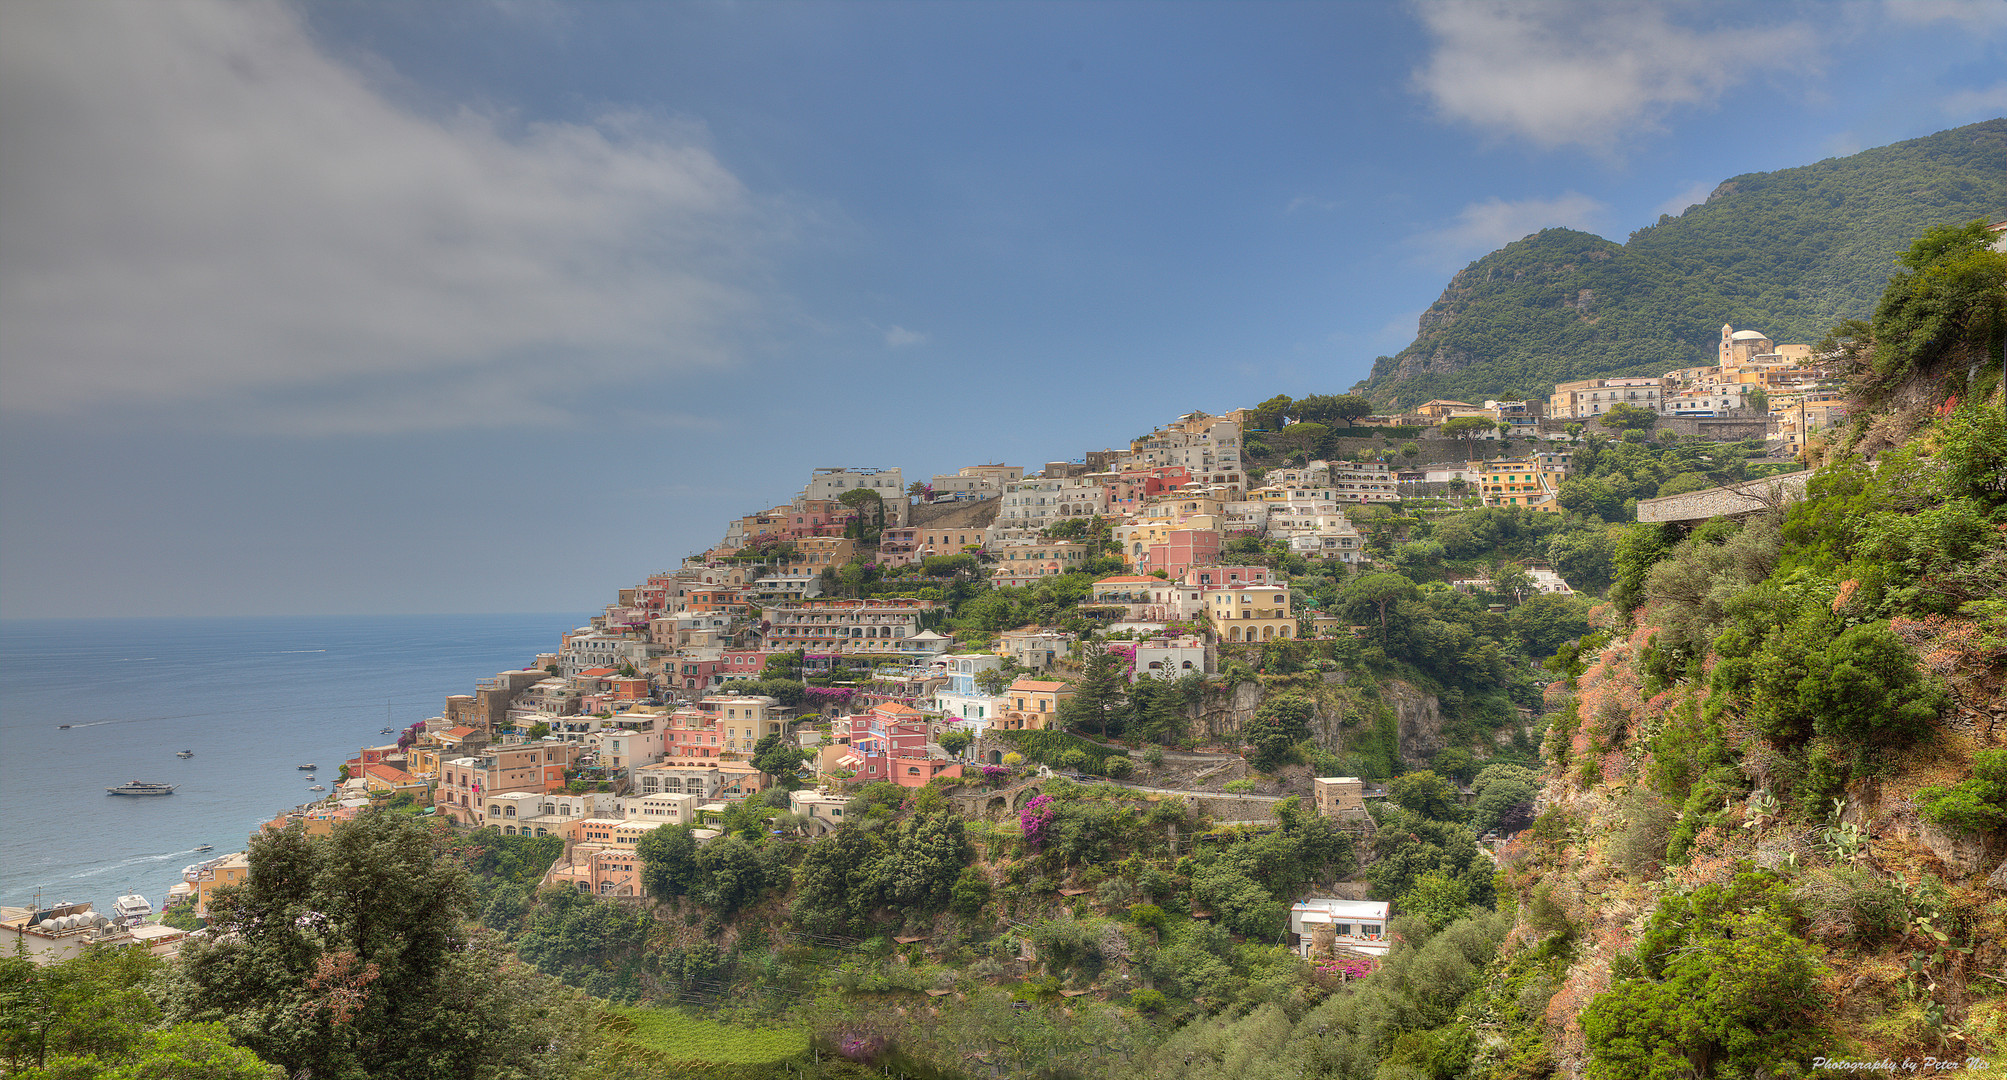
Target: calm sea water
point(252, 697)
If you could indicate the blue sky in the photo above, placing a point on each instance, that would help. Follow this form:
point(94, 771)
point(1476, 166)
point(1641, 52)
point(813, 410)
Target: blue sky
point(388, 307)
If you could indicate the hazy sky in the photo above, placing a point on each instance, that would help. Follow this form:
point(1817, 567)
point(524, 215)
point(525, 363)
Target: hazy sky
point(439, 307)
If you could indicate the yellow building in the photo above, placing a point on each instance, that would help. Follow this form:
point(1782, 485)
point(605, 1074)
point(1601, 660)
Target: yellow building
point(1250, 613)
point(232, 869)
point(1518, 482)
point(1032, 704)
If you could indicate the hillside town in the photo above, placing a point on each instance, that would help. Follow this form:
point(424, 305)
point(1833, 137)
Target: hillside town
point(641, 718)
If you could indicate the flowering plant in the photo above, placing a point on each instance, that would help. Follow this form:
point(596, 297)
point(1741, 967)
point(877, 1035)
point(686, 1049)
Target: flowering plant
point(1352, 965)
point(1035, 819)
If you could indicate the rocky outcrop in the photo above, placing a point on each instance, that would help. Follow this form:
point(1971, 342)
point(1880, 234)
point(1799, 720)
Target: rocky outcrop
point(1421, 720)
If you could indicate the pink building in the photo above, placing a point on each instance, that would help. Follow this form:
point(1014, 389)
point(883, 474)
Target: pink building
point(1227, 577)
point(1184, 549)
point(697, 674)
point(691, 737)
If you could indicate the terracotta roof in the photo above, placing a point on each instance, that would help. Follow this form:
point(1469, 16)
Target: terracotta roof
point(597, 671)
point(1125, 579)
point(390, 775)
point(895, 708)
point(460, 732)
point(1037, 685)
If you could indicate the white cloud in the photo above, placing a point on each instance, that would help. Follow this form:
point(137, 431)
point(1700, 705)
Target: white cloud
point(1691, 195)
point(899, 336)
point(199, 206)
point(1977, 16)
point(1990, 101)
point(1589, 73)
point(1484, 226)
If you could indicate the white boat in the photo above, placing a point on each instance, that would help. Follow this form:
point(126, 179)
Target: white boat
point(205, 847)
point(318, 787)
point(184, 753)
point(140, 787)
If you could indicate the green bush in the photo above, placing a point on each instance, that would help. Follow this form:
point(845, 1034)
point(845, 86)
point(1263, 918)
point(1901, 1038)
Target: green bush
point(1149, 1001)
point(1975, 805)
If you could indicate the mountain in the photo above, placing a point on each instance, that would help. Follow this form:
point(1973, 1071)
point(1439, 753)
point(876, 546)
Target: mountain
point(1789, 253)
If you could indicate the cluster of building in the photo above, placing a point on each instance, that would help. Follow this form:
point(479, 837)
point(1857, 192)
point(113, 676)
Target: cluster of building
point(1787, 385)
point(640, 717)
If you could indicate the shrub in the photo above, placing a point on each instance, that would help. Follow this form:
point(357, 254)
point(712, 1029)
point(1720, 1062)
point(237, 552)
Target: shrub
point(1239, 787)
point(1975, 805)
point(1147, 916)
point(1116, 767)
point(1149, 1001)
point(1852, 906)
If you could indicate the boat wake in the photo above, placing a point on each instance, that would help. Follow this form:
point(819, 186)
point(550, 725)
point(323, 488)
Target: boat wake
point(134, 861)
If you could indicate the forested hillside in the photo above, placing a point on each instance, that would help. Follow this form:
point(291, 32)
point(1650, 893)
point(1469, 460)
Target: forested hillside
point(1790, 253)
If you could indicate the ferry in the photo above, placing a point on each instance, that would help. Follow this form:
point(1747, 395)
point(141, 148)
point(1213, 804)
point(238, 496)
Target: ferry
point(140, 787)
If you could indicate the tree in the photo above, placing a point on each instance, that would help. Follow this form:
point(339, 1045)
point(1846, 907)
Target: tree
point(1945, 307)
point(1280, 722)
point(992, 681)
point(1759, 399)
point(1504, 430)
point(348, 955)
point(1512, 580)
point(1410, 451)
point(1718, 991)
point(1464, 427)
point(1333, 411)
point(956, 740)
point(1426, 794)
point(668, 860)
point(868, 522)
point(777, 756)
point(1098, 693)
point(1624, 417)
point(1302, 437)
point(1270, 415)
point(1377, 592)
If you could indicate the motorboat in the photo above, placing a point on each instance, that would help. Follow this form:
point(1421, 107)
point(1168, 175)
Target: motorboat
point(306, 768)
point(310, 776)
point(140, 787)
point(205, 847)
point(184, 753)
point(318, 787)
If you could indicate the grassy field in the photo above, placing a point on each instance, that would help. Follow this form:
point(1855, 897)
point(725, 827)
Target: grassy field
point(680, 1039)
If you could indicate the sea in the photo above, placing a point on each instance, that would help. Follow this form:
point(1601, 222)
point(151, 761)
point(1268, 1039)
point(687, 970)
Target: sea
point(252, 697)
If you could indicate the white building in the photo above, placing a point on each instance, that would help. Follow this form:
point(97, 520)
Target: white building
point(961, 700)
point(1317, 923)
point(1172, 658)
point(1036, 503)
point(832, 483)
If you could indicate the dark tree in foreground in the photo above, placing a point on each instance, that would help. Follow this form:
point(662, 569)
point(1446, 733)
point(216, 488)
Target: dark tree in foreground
point(349, 956)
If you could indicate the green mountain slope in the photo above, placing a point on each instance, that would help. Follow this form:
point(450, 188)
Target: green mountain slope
point(1790, 253)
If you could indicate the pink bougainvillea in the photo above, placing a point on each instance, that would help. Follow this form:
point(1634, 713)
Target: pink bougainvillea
point(1351, 965)
point(1035, 819)
point(996, 774)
